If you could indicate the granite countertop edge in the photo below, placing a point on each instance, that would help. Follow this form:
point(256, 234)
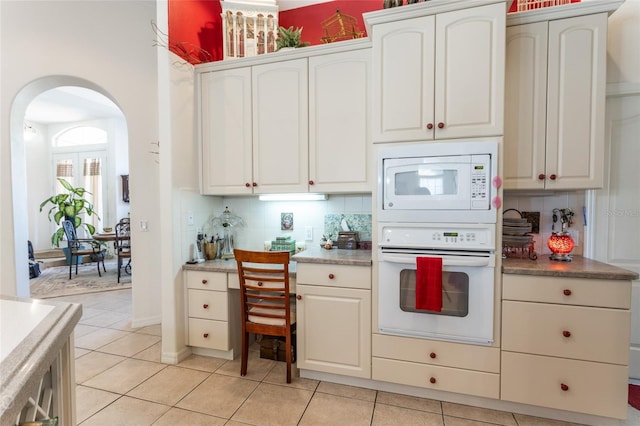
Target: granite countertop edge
point(333, 256)
point(579, 267)
point(22, 369)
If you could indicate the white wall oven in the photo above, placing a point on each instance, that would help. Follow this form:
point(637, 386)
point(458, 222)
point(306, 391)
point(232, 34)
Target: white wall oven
point(438, 182)
point(437, 207)
point(465, 290)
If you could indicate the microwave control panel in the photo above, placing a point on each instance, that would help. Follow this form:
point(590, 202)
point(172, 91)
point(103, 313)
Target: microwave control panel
point(479, 188)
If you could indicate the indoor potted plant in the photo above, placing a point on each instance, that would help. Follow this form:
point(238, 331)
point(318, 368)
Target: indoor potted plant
point(69, 205)
point(289, 38)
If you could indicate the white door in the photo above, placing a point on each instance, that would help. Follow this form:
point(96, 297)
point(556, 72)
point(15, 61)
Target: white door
point(280, 127)
point(339, 103)
point(575, 102)
point(86, 169)
point(403, 73)
point(225, 98)
point(525, 110)
point(469, 77)
point(615, 223)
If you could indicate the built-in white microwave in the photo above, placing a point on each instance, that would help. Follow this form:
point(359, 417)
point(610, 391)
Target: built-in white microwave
point(452, 181)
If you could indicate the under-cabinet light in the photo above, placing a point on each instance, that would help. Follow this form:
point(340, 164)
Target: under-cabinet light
point(292, 197)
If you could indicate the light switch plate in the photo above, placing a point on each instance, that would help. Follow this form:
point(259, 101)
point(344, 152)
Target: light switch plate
point(308, 233)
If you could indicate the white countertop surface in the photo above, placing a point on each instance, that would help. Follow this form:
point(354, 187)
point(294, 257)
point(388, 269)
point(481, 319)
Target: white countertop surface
point(17, 320)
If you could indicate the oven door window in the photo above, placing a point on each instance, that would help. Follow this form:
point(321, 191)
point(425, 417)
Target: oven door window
point(455, 293)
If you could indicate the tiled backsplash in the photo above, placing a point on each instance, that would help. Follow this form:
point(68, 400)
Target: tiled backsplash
point(545, 204)
point(360, 223)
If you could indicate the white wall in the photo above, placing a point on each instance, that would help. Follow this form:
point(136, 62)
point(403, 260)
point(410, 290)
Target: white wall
point(109, 46)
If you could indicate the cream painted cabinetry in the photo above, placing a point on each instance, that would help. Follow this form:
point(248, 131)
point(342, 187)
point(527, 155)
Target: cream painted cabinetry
point(554, 107)
point(445, 366)
point(439, 76)
point(334, 319)
point(339, 110)
point(213, 313)
point(255, 129)
point(568, 339)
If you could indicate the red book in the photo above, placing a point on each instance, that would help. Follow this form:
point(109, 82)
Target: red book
point(429, 283)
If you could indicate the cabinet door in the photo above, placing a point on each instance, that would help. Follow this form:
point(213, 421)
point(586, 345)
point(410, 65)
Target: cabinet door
point(280, 127)
point(403, 73)
point(339, 99)
point(576, 100)
point(334, 330)
point(469, 77)
point(526, 106)
point(226, 131)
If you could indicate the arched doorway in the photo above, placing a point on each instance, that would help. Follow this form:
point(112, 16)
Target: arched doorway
point(23, 199)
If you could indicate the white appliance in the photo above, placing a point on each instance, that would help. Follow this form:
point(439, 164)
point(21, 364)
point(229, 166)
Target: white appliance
point(438, 182)
point(468, 273)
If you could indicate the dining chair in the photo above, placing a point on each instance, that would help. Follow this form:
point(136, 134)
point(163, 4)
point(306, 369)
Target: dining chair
point(123, 245)
point(77, 248)
point(264, 300)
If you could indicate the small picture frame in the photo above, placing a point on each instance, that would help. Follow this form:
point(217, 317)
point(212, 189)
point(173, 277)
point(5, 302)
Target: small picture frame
point(286, 221)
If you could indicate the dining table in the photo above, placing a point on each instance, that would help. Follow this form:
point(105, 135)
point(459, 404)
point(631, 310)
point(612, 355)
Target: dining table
point(111, 236)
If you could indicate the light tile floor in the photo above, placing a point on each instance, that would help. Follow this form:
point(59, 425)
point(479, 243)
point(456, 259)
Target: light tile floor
point(121, 381)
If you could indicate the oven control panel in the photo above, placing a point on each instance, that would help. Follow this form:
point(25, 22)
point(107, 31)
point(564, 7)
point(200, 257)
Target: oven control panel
point(458, 236)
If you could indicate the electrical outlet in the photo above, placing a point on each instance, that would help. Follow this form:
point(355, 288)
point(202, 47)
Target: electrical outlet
point(144, 226)
point(534, 219)
point(308, 233)
point(190, 218)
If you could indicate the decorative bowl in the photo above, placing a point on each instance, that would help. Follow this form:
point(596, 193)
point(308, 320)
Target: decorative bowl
point(107, 230)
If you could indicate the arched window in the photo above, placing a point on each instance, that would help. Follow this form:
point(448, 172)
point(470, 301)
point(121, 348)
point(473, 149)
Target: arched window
point(79, 136)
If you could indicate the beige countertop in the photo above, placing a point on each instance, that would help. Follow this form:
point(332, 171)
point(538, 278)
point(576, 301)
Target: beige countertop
point(579, 267)
point(334, 256)
point(32, 334)
point(311, 255)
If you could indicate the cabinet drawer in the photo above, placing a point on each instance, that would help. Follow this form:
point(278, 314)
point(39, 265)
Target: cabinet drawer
point(206, 280)
point(470, 357)
point(444, 378)
point(208, 304)
point(568, 291)
point(593, 334)
point(331, 275)
point(591, 387)
point(209, 334)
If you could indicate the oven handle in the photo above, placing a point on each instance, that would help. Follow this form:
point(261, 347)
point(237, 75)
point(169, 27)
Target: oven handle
point(446, 260)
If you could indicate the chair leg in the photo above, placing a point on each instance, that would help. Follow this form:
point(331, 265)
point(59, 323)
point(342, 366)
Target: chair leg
point(98, 265)
point(287, 351)
point(119, 266)
point(70, 264)
point(245, 354)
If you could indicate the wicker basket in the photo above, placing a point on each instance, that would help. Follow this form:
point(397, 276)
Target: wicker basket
point(523, 5)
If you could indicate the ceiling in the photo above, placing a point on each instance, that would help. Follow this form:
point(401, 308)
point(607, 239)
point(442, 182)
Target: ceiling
point(68, 104)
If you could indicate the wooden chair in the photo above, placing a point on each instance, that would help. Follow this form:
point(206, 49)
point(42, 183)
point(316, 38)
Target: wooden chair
point(77, 248)
point(123, 245)
point(265, 302)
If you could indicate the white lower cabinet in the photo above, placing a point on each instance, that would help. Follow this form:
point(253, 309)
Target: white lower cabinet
point(444, 366)
point(334, 322)
point(565, 343)
point(213, 313)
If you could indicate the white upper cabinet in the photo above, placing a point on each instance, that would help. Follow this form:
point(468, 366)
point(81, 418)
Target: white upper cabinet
point(226, 127)
point(555, 97)
point(255, 129)
point(339, 105)
point(280, 127)
point(439, 76)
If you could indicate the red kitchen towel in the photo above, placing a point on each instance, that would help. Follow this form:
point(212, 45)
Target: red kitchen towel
point(429, 283)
